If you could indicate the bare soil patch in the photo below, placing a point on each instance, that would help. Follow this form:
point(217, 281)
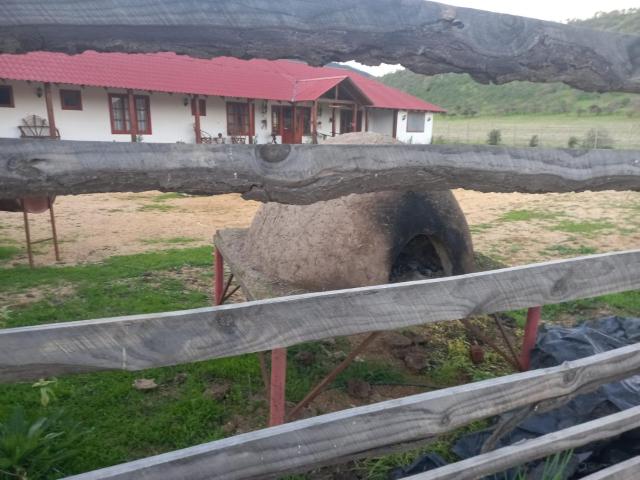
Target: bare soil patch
point(93, 227)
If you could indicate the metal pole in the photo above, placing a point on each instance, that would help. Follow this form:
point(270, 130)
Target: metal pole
point(218, 277)
point(25, 215)
point(530, 335)
point(333, 374)
point(54, 232)
point(277, 386)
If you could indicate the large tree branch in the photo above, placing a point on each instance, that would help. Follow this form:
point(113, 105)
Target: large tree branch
point(427, 37)
point(302, 174)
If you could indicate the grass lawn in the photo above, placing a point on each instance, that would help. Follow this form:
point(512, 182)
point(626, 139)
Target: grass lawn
point(552, 130)
point(123, 423)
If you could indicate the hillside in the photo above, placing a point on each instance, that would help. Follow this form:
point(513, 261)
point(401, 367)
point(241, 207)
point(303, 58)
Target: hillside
point(461, 95)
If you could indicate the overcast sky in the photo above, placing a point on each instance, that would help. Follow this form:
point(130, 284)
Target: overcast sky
point(554, 10)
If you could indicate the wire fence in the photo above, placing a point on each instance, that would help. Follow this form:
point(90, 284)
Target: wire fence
point(617, 134)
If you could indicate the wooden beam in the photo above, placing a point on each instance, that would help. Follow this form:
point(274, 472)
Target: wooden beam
point(622, 471)
point(310, 443)
point(334, 119)
point(196, 111)
point(133, 116)
point(252, 120)
point(154, 340)
point(426, 37)
point(314, 122)
point(302, 174)
point(48, 98)
point(394, 128)
point(521, 453)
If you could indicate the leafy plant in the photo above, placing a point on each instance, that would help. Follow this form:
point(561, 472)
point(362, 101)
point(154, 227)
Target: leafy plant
point(554, 467)
point(46, 390)
point(34, 449)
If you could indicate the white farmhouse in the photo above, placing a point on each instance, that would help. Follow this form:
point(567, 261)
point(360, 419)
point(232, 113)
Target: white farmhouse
point(172, 98)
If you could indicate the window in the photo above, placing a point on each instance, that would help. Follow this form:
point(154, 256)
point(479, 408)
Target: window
point(415, 122)
point(237, 118)
point(119, 111)
point(6, 96)
point(202, 104)
point(70, 100)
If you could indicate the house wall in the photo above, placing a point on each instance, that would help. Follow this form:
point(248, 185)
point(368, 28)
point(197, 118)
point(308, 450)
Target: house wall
point(381, 121)
point(414, 137)
point(171, 120)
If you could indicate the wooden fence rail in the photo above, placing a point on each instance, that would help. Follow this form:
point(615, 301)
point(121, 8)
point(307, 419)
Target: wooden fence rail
point(153, 340)
point(426, 37)
point(326, 439)
point(622, 471)
point(541, 447)
point(302, 174)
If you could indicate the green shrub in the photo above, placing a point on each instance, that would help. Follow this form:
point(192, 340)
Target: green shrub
point(534, 141)
point(573, 142)
point(495, 137)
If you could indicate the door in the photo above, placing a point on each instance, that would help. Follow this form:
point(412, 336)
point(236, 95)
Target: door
point(288, 133)
point(293, 125)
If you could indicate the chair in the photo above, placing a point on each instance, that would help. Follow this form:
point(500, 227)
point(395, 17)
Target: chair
point(34, 126)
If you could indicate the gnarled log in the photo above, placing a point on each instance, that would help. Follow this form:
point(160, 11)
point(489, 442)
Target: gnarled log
point(426, 37)
point(303, 174)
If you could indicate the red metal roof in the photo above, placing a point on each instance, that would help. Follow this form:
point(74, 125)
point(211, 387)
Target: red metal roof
point(223, 76)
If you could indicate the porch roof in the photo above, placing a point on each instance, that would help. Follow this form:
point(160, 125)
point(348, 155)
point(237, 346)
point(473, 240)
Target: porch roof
point(282, 80)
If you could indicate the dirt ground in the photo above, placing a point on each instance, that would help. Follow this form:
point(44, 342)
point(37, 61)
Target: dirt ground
point(514, 228)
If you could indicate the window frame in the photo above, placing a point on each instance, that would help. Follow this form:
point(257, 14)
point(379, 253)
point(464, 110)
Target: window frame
point(424, 122)
point(243, 133)
point(64, 91)
point(125, 98)
point(203, 107)
point(12, 103)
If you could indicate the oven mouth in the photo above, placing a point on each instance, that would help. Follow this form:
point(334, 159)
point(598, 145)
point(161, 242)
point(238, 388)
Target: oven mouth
point(422, 257)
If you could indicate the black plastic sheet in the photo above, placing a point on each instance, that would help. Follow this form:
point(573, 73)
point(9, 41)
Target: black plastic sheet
point(554, 345)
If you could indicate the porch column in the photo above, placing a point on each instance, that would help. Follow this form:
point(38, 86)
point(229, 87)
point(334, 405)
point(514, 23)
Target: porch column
point(333, 123)
point(354, 118)
point(314, 122)
point(50, 116)
point(133, 118)
point(252, 120)
point(196, 114)
point(366, 119)
point(294, 123)
point(394, 131)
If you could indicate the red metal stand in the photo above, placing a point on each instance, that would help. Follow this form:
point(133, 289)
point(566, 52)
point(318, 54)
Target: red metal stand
point(278, 382)
point(530, 334)
point(276, 386)
point(218, 279)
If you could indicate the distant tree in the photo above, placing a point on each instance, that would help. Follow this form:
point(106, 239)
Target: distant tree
point(597, 138)
point(495, 137)
point(595, 109)
point(534, 141)
point(573, 142)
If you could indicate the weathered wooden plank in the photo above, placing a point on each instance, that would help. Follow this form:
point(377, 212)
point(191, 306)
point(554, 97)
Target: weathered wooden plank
point(629, 470)
point(512, 456)
point(152, 340)
point(302, 174)
point(313, 442)
point(426, 37)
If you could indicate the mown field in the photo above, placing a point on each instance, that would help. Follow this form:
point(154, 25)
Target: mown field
point(552, 130)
